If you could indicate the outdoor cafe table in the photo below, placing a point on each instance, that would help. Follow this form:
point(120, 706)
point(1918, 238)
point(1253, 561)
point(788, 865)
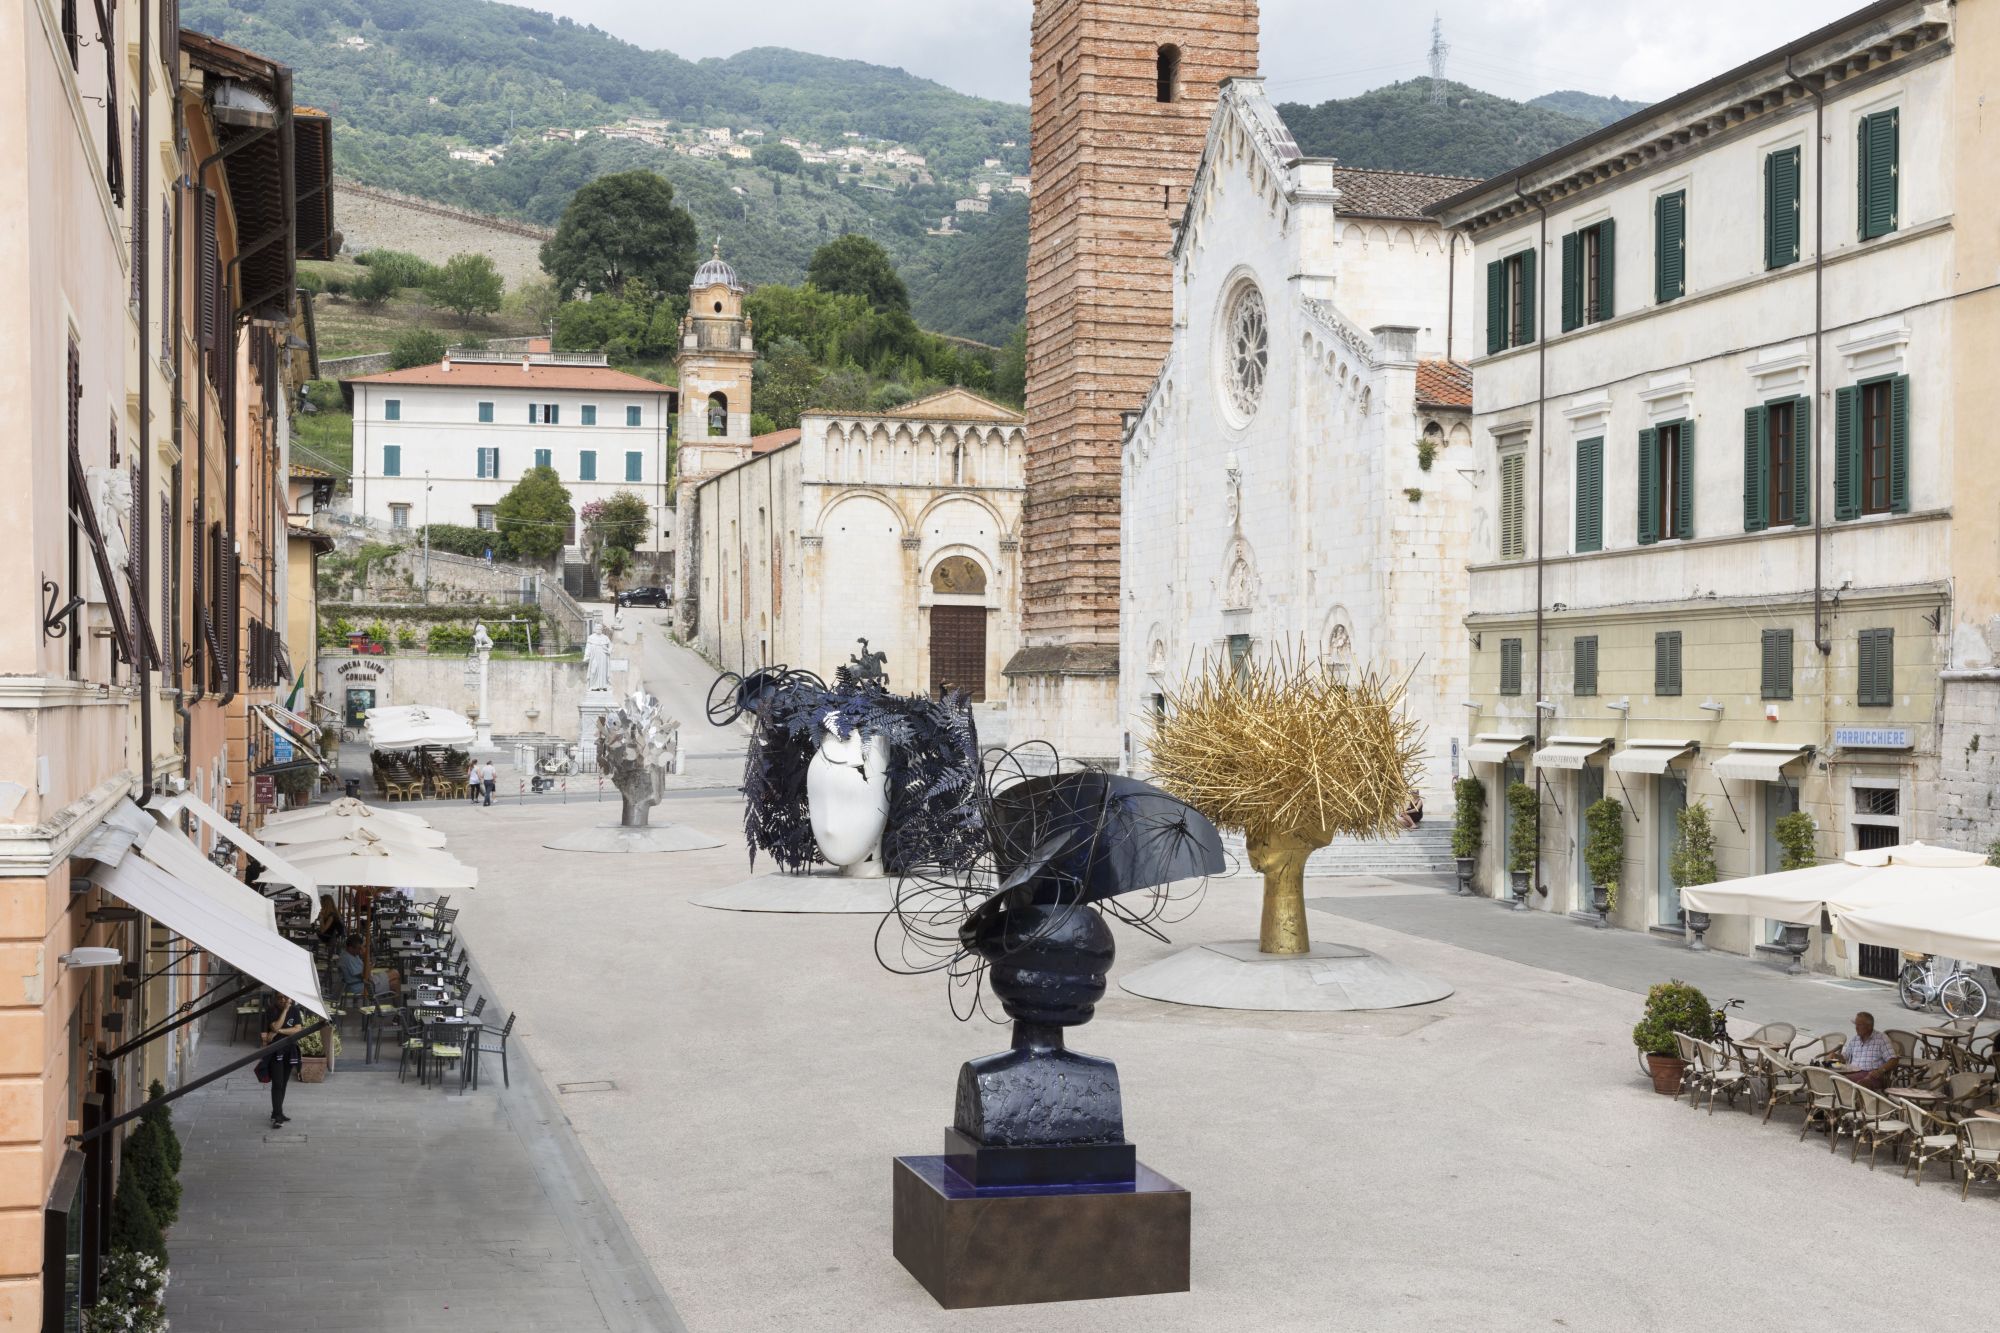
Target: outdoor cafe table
point(468, 1065)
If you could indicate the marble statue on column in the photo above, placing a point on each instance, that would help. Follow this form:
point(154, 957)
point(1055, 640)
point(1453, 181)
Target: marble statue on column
point(597, 660)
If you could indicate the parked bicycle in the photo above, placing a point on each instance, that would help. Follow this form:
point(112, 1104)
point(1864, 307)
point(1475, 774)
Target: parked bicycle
point(1720, 1019)
point(1957, 992)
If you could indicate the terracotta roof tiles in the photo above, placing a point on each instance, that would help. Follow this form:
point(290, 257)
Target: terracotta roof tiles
point(1366, 193)
point(1444, 384)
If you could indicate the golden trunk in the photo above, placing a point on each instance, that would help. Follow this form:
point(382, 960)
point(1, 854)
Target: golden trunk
point(1281, 859)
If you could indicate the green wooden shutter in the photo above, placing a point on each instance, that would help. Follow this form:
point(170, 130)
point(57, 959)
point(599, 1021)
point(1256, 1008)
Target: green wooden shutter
point(1899, 445)
point(1496, 306)
point(1526, 330)
point(1670, 246)
point(1510, 666)
point(1572, 281)
point(1649, 484)
point(1513, 506)
point(1802, 472)
point(1781, 208)
point(1756, 469)
point(1585, 665)
point(1847, 453)
point(1667, 663)
point(1777, 664)
point(1875, 668)
point(1607, 269)
point(1877, 176)
point(1590, 494)
point(1684, 501)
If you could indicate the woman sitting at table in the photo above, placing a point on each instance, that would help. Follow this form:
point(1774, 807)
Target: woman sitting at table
point(329, 928)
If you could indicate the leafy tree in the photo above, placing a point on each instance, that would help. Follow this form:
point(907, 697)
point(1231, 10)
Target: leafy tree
point(533, 301)
point(783, 382)
point(398, 266)
point(467, 285)
point(778, 157)
point(1010, 368)
point(374, 288)
point(461, 539)
point(533, 517)
point(622, 519)
point(416, 347)
point(859, 266)
point(620, 228)
point(763, 423)
point(616, 562)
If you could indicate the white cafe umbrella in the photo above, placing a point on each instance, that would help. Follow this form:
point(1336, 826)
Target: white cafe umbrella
point(366, 861)
point(330, 827)
point(407, 726)
point(1905, 876)
point(345, 806)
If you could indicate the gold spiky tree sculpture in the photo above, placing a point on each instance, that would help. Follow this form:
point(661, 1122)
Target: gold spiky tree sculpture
point(1291, 754)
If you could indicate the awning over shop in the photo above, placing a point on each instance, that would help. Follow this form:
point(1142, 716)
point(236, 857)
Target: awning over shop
point(1650, 756)
point(167, 849)
point(1749, 761)
point(298, 725)
point(1570, 751)
point(265, 713)
point(277, 869)
point(191, 912)
point(1496, 747)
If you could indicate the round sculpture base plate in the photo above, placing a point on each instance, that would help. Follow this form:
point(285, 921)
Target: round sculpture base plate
point(1235, 975)
point(648, 838)
point(822, 889)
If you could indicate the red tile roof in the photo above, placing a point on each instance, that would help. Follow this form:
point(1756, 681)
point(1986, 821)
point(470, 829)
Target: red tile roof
point(1444, 384)
point(511, 375)
point(777, 439)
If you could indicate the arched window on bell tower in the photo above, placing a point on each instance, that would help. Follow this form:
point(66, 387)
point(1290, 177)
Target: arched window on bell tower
point(1167, 69)
point(718, 414)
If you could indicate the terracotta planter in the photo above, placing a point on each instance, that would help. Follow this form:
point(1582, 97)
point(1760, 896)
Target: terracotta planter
point(1667, 1071)
point(312, 1069)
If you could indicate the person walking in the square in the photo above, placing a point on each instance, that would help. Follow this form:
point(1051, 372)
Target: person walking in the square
point(489, 778)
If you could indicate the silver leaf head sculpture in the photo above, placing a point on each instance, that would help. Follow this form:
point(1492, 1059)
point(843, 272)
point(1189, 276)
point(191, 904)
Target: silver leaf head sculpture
point(636, 744)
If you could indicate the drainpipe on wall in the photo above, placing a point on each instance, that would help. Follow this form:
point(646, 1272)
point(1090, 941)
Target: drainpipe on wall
point(1821, 639)
point(141, 522)
point(1541, 478)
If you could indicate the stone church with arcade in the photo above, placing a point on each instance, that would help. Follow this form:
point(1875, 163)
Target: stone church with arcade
point(1299, 477)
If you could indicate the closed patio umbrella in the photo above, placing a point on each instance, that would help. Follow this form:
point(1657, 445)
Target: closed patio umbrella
point(330, 826)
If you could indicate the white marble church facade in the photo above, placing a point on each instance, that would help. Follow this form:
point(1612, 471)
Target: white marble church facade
point(1300, 476)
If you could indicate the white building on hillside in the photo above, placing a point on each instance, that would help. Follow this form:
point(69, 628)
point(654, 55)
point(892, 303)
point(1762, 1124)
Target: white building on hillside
point(453, 438)
point(1296, 475)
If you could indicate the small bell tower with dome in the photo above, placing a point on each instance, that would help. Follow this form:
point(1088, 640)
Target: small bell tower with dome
point(714, 362)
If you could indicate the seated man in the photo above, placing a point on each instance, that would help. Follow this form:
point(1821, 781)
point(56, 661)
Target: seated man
point(387, 980)
point(1869, 1055)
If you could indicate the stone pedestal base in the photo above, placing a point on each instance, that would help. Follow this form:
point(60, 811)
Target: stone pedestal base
point(1235, 975)
point(1067, 695)
point(651, 838)
point(821, 890)
point(594, 705)
point(999, 1246)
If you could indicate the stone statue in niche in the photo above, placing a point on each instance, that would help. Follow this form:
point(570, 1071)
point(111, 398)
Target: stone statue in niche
point(1241, 587)
point(1339, 650)
point(1232, 492)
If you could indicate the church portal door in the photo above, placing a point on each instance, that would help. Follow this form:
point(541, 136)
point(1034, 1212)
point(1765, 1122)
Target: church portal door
point(958, 650)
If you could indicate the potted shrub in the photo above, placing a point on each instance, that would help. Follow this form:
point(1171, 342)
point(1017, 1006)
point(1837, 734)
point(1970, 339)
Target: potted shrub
point(1671, 1006)
point(1693, 863)
point(1604, 855)
point(312, 1054)
point(1468, 829)
point(131, 1295)
point(1523, 840)
point(1797, 849)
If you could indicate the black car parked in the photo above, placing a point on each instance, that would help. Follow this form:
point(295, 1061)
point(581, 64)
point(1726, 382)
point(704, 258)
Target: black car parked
point(650, 596)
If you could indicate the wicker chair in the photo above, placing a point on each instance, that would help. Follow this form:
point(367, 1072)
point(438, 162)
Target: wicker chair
point(1785, 1081)
point(1847, 1113)
point(1691, 1069)
point(1822, 1100)
point(1962, 1092)
point(1816, 1048)
point(1931, 1137)
point(1721, 1073)
point(1880, 1120)
point(1776, 1036)
point(1979, 1150)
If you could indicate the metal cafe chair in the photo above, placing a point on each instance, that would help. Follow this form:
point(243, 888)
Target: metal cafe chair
point(503, 1033)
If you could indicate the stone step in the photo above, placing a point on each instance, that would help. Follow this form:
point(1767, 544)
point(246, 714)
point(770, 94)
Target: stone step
point(1424, 850)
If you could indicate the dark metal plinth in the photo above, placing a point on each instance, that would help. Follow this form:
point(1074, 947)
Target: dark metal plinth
point(984, 1164)
point(996, 1245)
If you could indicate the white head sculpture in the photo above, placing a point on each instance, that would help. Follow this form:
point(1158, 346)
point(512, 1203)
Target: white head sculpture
point(847, 794)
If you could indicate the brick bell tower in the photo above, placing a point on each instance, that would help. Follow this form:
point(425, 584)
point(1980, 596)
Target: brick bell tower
point(1122, 92)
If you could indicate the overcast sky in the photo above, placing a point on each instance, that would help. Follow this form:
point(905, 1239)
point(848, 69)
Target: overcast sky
point(1313, 49)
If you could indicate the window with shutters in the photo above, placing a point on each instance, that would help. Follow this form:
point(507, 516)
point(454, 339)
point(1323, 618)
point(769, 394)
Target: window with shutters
point(1871, 448)
point(1584, 660)
point(1874, 447)
point(489, 462)
point(392, 460)
point(588, 415)
point(1667, 663)
point(1876, 174)
point(486, 413)
point(1510, 301)
point(1670, 246)
point(632, 416)
point(1590, 494)
point(1510, 666)
point(545, 458)
point(1588, 275)
point(1513, 504)
point(586, 465)
point(1776, 655)
point(1777, 459)
point(1779, 471)
point(392, 409)
point(1782, 221)
point(635, 466)
point(1875, 684)
point(1666, 482)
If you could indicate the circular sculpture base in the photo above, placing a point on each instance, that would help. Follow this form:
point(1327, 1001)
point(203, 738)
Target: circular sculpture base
point(820, 890)
point(647, 838)
point(1234, 975)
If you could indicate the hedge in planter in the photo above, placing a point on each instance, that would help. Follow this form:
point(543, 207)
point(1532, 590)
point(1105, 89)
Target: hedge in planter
point(1604, 853)
point(1797, 835)
point(1693, 859)
point(145, 1162)
point(133, 1226)
point(160, 1115)
point(1468, 826)
point(1524, 838)
point(1673, 1006)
